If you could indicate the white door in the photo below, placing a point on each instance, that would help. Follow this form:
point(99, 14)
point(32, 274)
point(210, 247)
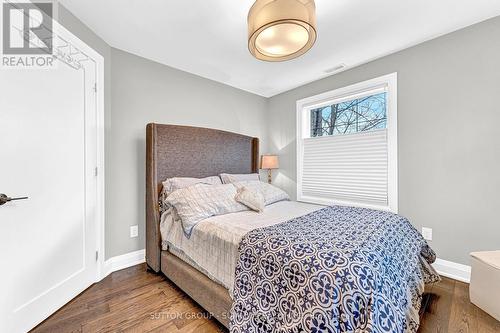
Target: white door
point(48, 152)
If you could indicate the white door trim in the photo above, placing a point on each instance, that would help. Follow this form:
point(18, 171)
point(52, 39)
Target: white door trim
point(99, 171)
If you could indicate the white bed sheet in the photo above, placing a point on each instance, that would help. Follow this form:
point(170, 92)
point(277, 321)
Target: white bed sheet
point(213, 245)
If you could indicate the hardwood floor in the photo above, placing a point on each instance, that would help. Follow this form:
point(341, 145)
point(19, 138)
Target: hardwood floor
point(134, 300)
point(449, 310)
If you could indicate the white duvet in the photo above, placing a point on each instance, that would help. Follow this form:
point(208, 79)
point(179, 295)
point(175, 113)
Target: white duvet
point(213, 245)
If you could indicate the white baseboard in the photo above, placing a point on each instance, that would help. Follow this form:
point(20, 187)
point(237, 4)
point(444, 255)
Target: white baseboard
point(453, 270)
point(125, 260)
point(446, 268)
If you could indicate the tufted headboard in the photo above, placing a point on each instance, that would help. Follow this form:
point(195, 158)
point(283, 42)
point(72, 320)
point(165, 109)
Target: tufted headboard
point(184, 151)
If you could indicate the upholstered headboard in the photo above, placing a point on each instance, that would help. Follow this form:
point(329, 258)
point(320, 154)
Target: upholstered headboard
point(183, 151)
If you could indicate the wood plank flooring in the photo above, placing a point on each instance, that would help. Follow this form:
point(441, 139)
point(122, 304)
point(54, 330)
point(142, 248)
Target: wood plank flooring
point(449, 310)
point(135, 300)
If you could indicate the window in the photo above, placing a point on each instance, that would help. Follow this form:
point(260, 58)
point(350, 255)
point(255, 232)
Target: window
point(347, 146)
point(353, 116)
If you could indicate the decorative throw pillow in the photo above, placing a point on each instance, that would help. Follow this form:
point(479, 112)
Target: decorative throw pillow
point(175, 183)
point(252, 199)
point(270, 193)
point(198, 202)
point(228, 178)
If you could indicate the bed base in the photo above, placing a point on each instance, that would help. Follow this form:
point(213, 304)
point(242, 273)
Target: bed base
point(210, 295)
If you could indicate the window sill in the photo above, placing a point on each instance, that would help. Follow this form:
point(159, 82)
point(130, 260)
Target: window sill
point(331, 202)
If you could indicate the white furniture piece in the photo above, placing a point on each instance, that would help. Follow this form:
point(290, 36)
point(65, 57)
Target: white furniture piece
point(485, 281)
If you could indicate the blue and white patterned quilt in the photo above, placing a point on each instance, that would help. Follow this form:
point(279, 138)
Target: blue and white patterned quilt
point(338, 269)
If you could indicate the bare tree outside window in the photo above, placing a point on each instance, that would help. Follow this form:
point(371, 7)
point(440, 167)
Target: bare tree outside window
point(357, 115)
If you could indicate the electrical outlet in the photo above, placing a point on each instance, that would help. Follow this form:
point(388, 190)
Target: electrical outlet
point(134, 231)
point(427, 233)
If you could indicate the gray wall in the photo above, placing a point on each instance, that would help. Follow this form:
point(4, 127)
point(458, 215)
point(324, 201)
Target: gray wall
point(448, 135)
point(143, 91)
point(139, 91)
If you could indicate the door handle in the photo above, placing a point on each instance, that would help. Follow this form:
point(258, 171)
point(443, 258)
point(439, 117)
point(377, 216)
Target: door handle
point(4, 199)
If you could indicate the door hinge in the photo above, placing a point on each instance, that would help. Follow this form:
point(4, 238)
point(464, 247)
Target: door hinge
point(95, 87)
point(96, 171)
point(96, 255)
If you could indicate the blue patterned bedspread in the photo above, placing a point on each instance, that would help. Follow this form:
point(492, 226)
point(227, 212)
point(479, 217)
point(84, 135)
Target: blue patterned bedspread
point(338, 269)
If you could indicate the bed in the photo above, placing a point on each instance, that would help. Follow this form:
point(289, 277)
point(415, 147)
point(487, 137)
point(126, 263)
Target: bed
point(214, 259)
point(184, 151)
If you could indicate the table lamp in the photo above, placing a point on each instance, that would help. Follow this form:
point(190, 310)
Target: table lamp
point(269, 162)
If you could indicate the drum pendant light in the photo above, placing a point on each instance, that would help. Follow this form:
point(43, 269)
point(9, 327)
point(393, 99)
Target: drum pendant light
point(280, 30)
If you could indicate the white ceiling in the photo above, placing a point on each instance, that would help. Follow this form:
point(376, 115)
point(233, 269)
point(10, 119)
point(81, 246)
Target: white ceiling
point(209, 37)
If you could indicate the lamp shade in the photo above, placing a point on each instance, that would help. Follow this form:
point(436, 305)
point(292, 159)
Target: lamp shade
point(269, 162)
point(281, 30)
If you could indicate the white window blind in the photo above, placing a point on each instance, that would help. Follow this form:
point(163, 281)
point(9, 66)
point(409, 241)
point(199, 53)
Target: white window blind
point(350, 168)
point(346, 161)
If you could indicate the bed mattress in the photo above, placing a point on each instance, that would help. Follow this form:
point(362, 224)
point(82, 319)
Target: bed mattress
point(213, 245)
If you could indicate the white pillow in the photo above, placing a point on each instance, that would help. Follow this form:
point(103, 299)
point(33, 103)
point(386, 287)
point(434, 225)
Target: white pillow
point(172, 184)
point(228, 178)
point(252, 199)
point(198, 202)
point(175, 183)
point(270, 193)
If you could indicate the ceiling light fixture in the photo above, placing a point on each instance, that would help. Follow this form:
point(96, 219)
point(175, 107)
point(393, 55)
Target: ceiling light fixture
point(280, 30)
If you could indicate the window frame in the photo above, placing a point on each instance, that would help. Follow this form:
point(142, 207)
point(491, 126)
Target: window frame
point(304, 106)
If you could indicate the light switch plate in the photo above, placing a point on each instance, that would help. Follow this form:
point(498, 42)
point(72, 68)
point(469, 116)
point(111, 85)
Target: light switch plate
point(134, 231)
point(427, 233)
